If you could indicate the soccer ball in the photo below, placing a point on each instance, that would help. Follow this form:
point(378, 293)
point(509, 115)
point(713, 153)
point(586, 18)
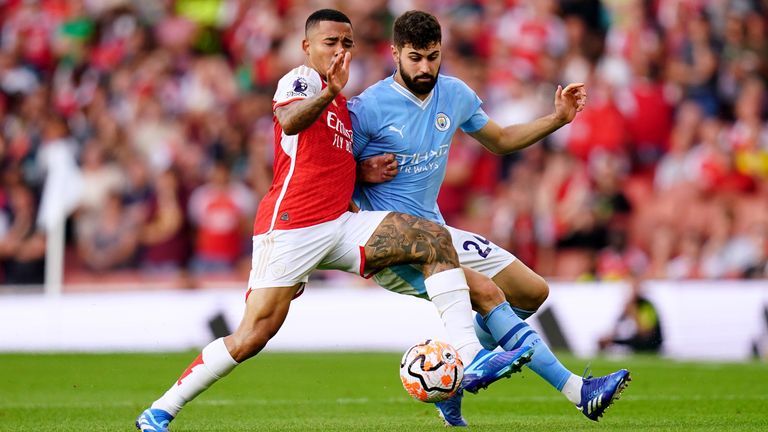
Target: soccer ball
point(431, 371)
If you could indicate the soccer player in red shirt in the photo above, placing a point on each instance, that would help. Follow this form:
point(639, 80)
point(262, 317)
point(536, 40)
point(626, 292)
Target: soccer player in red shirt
point(303, 223)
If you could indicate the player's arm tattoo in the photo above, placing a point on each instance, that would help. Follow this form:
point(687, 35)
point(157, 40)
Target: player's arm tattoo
point(404, 239)
point(297, 116)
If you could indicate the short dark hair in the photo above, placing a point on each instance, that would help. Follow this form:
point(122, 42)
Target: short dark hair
point(325, 15)
point(417, 29)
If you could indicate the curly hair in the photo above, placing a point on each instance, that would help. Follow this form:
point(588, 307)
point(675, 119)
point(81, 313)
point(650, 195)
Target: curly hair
point(417, 29)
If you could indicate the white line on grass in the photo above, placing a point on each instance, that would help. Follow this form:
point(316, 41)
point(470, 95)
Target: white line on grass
point(365, 401)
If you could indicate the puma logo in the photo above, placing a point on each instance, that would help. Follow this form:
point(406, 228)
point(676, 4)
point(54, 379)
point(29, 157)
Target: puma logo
point(399, 131)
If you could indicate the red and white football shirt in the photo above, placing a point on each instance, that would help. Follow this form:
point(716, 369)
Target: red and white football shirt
point(314, 170)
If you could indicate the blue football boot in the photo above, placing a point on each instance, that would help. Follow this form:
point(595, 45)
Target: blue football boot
point(153, 420)
point(598, 393)
point(486, 368)
point(450, 410)
point(491, 366)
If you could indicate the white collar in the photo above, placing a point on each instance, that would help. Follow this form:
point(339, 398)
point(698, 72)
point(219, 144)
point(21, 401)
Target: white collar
point(410, 96)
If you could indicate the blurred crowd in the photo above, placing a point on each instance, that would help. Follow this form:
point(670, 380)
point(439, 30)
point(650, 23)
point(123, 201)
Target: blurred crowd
point(165, 108)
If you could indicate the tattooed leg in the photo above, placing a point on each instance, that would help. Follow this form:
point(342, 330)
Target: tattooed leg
point(405, 239)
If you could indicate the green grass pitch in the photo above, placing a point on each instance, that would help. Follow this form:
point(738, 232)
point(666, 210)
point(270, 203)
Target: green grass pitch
point(362, 392)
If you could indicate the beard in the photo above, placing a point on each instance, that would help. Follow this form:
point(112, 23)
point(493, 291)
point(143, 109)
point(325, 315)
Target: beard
point(419, 84)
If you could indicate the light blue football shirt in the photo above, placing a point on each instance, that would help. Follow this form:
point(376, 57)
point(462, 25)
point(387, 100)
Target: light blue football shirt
point(388, 118)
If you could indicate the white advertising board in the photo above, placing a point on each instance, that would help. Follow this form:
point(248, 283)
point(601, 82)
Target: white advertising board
point(717, 321)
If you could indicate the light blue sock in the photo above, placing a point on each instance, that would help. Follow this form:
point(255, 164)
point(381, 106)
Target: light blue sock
point(484, 334)
point(511, 333)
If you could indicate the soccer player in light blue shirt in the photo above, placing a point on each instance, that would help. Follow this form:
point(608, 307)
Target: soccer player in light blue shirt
point(411, 117)
point(390, 119)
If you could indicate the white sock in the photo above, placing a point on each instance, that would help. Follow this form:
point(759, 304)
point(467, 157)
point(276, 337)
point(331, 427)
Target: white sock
point(449, 292)
point(572, 389)
point(212, 364)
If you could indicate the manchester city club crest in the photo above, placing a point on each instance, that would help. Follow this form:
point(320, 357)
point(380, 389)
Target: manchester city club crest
point(442, 122)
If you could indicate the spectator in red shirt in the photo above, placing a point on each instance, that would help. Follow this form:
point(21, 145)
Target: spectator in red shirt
point(221, 211)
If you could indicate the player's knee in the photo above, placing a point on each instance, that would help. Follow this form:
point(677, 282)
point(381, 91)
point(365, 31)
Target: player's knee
point(443, 246)
point(528, 293)
point(485, 296)
point(539, 292)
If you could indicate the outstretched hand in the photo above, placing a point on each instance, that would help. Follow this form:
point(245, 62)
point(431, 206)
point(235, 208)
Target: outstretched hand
point(337, 74)
point(569, 101)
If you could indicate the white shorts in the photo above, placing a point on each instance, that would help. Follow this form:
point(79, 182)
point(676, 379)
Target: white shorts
point(475, 252)
point(284, 258)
